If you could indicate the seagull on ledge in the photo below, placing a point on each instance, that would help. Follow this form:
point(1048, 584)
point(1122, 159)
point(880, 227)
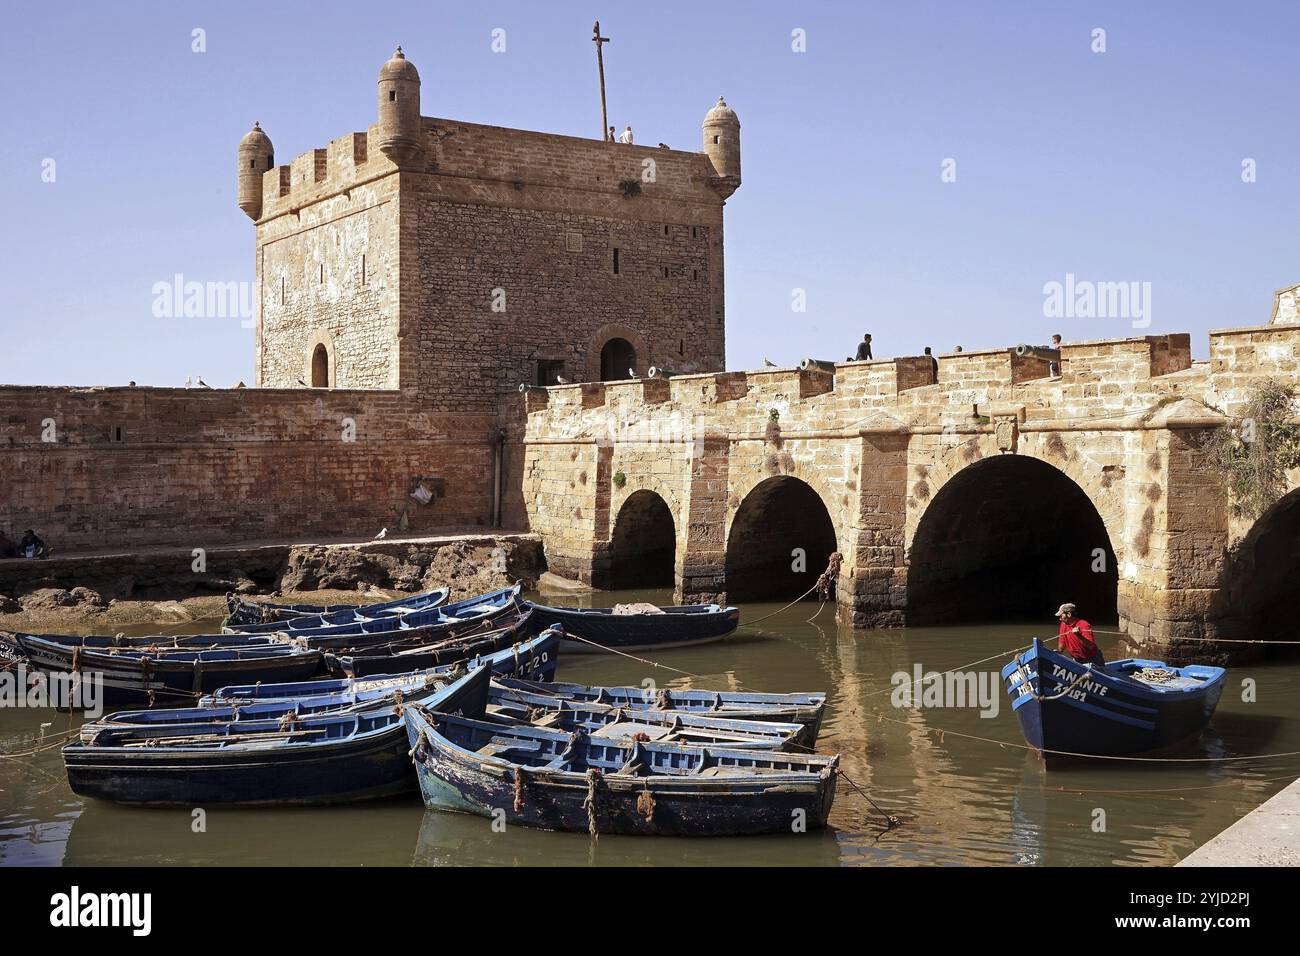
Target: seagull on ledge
point(383, 532)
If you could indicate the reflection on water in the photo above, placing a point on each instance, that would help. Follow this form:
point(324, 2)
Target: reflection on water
point(961, 801)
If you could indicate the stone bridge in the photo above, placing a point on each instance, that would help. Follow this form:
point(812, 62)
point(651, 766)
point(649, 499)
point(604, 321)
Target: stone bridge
point(986, 489)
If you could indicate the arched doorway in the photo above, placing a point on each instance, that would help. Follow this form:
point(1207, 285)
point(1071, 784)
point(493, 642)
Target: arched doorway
point(643, 547)
point(780, 542)
point(617, 357)
point(1263, 577)
point(320, 367)
point(1010, 538)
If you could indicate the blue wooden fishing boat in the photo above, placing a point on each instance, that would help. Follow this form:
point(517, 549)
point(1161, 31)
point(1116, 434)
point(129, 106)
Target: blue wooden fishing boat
point(400, 657)
point(669, 626)
point(803, 709)
point(325, 758)
point(583, 783)
point(251, 617)
point(145, 676)
point(449, 618)
point(604, 721)
point(535, 658)
point(1124, 708)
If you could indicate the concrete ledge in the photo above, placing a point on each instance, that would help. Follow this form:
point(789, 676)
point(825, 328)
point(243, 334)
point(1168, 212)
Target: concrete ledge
point(1267, 836)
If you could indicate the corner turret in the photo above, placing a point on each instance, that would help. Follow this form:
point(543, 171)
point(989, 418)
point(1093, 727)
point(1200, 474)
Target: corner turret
point(256, 156)
point(400, 137)
point(722, 145)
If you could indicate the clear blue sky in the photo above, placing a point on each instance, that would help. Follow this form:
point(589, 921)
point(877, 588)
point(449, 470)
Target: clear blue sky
point(1122, 166)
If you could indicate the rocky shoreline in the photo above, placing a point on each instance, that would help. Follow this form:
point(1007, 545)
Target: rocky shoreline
point(110, 593)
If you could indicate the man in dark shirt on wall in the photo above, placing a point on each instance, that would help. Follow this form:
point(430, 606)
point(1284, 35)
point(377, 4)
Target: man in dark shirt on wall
point(864, 349)
point(1076, 637)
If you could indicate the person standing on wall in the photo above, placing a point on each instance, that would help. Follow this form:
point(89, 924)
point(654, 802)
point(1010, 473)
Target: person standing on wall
point(864, 349)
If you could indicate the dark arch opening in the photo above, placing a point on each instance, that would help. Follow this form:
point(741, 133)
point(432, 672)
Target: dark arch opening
point(643, 548)
point(617, 356)
point(1263, 578)
point(320, 367)
point(1010, 538)
point(777, 517)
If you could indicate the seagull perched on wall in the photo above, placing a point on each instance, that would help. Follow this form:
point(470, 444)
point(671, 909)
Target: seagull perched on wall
point(203, 384)
point(562, 380)
point(768, 362)
point(631, 373)
point(383, 533)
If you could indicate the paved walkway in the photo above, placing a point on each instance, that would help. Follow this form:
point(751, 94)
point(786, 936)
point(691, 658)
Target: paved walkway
point(1267, 836)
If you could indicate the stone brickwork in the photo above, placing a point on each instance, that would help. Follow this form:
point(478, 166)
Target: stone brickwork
point(1114, 437)
point(100, 468)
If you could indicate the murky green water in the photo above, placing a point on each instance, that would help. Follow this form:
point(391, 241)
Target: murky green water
point(961, 801)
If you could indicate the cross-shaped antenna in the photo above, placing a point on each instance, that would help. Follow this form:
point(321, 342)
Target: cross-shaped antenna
point(600, 42)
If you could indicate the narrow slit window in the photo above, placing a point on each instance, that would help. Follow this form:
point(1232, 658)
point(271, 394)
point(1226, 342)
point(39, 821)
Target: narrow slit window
point(363, 268)
point(322, 273)
point(282, 290)
point(392, 96)
point(616, 260)
point(665, 230)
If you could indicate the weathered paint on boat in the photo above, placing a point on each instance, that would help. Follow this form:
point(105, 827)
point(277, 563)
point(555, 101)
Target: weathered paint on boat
point(551, 780)
point(1066, 708)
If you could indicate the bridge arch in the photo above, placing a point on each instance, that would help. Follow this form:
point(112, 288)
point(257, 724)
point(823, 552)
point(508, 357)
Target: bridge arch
point(643, 543)
point(776, 517)
point(1007, 536)
point(1262, 575)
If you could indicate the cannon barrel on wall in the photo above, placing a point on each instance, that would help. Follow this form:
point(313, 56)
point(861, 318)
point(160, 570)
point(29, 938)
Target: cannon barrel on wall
point(821, 364)
point(1038, 352)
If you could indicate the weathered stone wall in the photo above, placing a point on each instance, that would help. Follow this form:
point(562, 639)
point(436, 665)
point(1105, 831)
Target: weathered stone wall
point(880, 442)
point(144, 466)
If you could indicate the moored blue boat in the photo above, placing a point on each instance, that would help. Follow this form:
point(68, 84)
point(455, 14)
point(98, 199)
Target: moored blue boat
point(803, 709)
point(535, 658)
point(668, 626)
point(1069, 711)
point(448, 618)
point(323, 758)
point(579, 782)
point(149, 675)
point(252, 616)
point(403, 656)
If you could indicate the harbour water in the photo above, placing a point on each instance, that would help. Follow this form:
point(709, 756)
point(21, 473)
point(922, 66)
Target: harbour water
point(960, 800)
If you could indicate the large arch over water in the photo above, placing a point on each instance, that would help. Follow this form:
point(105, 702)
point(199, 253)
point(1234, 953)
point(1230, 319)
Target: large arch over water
point(643, 546)
point(1010, 537)
point(780, 541)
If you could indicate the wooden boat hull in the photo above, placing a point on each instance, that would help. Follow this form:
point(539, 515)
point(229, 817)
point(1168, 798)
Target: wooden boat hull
point(135, 679)
point(806, 710)
point(678, 626)
point(448, 650)
point(1068, 715)
point(455, 779)
point(250, 617)
point(370, 764)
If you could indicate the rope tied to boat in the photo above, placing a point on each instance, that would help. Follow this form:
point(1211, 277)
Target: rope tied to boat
point(594, 777)
point(891, 821)
point(645, 803)
point(1087, 672)
point(1155, 675)
point(520, 783)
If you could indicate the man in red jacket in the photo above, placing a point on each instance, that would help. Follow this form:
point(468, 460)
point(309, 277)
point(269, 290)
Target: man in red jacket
point(1076, 637)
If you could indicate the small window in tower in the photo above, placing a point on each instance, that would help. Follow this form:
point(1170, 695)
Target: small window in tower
point(616, 260)
point(665, 230)
point(252, 164)
point(392, 96)
point(681, 346)
point(694, 232)
point(119, 433)
point(695, 274)
point(717, 139)
point(664, 271)
point(322, 273)
point(363, 268)
point(270, 161)
point(549, 371)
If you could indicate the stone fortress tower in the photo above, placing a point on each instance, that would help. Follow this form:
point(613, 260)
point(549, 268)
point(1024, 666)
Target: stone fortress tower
point(455, 261)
